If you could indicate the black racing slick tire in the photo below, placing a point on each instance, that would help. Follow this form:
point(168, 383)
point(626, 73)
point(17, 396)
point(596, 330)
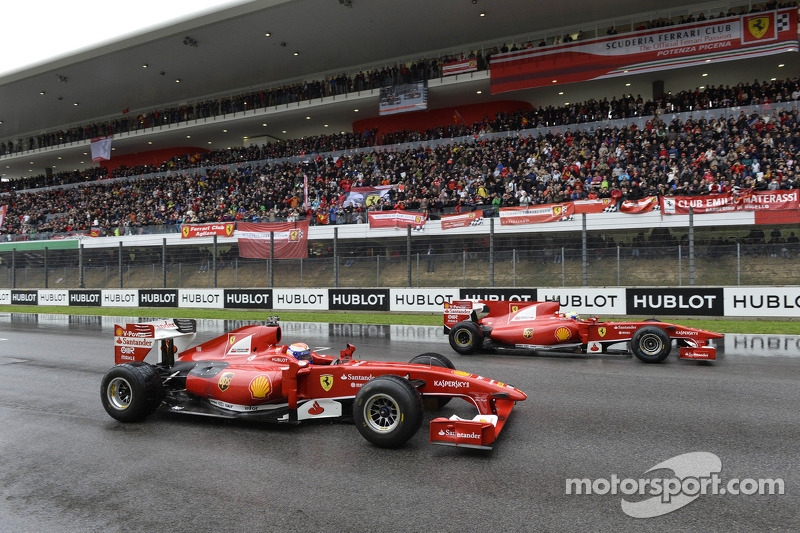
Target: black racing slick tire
point(466, 337)
point(387, 411)
point(131, 392)
point(651, 344)
point(434, 359)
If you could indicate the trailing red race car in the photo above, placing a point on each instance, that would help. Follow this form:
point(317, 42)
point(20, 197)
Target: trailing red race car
point(475, 324)
point(246, 373)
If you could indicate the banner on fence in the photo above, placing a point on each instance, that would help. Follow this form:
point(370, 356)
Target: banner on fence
point(720, 203)
point(291, 239)
point(3, 209)
point(680, 46)
point(536, 214)
point(473, 218)
point(636, 207)
point(600, 205)
point(397, 219)
point(222, 229)
point(449, 68)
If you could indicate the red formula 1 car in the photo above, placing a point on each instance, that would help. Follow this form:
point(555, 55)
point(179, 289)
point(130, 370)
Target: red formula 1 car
point(246, 373)
point(475, 324)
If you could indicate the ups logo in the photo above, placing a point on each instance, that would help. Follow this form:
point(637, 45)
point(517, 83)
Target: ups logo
point(225, 381)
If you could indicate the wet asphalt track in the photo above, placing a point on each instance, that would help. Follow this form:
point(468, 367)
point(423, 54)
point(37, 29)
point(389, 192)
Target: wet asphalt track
point(67, 466)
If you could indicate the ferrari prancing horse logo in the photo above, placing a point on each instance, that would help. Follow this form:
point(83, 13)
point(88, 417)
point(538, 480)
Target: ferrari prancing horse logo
point(758, 26)
point(326, 381)
point(601, 332)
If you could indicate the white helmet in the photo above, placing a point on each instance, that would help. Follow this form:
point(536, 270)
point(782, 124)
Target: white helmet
point(300, 350)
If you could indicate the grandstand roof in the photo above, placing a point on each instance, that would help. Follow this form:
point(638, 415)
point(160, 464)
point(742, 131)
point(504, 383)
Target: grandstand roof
point(228, 53)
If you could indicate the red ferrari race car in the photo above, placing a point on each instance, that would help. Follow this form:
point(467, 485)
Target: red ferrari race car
point(247, 373)
point(475, 324)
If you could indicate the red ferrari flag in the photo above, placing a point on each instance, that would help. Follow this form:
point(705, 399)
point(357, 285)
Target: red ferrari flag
point(290, 238)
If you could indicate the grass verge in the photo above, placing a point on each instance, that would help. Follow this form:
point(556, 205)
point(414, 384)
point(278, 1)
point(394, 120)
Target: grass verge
point(777, 327)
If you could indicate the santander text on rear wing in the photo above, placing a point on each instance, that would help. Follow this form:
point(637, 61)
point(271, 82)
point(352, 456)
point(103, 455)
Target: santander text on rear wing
point(133, 342)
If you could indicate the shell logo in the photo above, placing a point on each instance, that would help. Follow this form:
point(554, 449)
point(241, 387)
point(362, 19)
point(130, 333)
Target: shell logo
point(119, 332)
point(563, 333)
point(461, 373)
point(260, 387)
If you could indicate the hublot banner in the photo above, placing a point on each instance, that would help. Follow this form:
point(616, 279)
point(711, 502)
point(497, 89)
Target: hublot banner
point(5, 297)
point(762, 301)
point(24, 297)
point(516, 295)
point(158, 297)
point(358, 299)
point(248, 298)
point(673, 301)
point(85, 298)
point(55, 297)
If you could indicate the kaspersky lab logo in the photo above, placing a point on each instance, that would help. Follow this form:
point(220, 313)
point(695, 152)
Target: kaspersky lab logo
point(694, 474)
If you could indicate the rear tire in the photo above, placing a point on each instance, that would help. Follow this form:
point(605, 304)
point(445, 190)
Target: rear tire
point(131, 392)
point(466, 337)
point(434, 359)
point(651, 344)
point(387, 411)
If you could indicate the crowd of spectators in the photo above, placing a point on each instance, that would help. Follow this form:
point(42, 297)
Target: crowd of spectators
point(664, 158)
point(627, 106)
point(419, 70)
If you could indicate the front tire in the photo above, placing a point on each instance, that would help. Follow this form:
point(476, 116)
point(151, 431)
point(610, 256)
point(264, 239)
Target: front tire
point(434, 359)
point(388, 411)
point(466, 337)
point(131, 392)
point(651, 344)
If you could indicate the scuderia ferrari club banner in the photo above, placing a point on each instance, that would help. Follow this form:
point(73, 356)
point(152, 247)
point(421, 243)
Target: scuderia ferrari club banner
point(722, 39)
point(290, 239)
point(222, 229)
point(462, 220)
point(397, 219)
point(536, 214)
point(721, 203)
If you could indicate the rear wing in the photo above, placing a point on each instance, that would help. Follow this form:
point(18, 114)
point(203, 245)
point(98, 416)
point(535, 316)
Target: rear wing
point(133, 342)
point(474, 310)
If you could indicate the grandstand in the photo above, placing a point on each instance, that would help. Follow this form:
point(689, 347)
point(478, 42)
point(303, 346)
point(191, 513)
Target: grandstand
point(239, 145)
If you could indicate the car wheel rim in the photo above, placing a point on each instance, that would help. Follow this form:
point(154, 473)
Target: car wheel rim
point(381, 413)
point(650, 344)
point(463, 338)
point(119, 394)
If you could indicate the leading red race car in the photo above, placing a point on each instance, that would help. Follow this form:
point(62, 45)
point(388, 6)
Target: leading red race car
point(475, 324)
point(247, 373)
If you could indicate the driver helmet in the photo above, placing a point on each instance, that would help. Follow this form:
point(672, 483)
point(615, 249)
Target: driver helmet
point(573, 315)
point(300, 350)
